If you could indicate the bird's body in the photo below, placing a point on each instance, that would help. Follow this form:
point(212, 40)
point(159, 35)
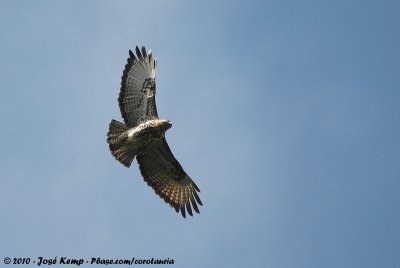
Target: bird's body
point(136, 138)
point(143, 136)
point(146, 133)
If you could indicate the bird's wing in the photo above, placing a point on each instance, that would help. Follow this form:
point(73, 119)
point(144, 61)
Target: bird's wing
point(165, 175)
point(138, 88)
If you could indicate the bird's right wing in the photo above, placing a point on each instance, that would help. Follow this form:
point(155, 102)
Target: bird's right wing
point(166, 176)
point(138, 88)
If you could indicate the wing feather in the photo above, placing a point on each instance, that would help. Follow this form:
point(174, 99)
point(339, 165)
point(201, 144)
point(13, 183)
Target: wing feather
point(166, 176)
point(144, 53)
point(139, 54)
point(138, 88)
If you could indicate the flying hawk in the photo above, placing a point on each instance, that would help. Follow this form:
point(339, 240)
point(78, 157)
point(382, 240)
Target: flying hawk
point(143, 136)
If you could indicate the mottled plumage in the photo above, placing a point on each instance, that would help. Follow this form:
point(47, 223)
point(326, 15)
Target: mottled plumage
point(143, 136)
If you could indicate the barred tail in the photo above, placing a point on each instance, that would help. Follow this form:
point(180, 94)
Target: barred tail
point(116, 144)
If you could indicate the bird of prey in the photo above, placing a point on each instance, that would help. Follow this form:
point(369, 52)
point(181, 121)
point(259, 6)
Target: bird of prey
point(143, 136)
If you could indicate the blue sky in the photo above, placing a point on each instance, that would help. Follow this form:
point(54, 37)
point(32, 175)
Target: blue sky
point(286, 114)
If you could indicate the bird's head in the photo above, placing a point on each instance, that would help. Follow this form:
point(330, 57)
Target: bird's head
point(165, 125)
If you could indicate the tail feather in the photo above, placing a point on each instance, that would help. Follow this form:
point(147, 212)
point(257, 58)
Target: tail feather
point(117, 145)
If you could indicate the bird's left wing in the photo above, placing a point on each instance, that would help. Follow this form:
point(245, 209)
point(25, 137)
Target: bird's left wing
point(138, 88)
point(166, 176)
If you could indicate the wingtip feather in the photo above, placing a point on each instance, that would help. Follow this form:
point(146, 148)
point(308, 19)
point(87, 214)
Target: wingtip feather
point(194, 204)
point(197, 198)
point(139, 54)
point(182, 209)
point(131, 54)
point(189, 208)
point(144, 53)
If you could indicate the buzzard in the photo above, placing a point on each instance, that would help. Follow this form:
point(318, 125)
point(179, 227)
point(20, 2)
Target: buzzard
point(143, 136)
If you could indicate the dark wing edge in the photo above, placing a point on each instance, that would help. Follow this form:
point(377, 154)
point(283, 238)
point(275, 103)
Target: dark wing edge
point(135, 105)
point(166, 176)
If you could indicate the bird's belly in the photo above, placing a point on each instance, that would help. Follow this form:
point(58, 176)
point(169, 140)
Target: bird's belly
point(137, 138)
point(133, 143)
